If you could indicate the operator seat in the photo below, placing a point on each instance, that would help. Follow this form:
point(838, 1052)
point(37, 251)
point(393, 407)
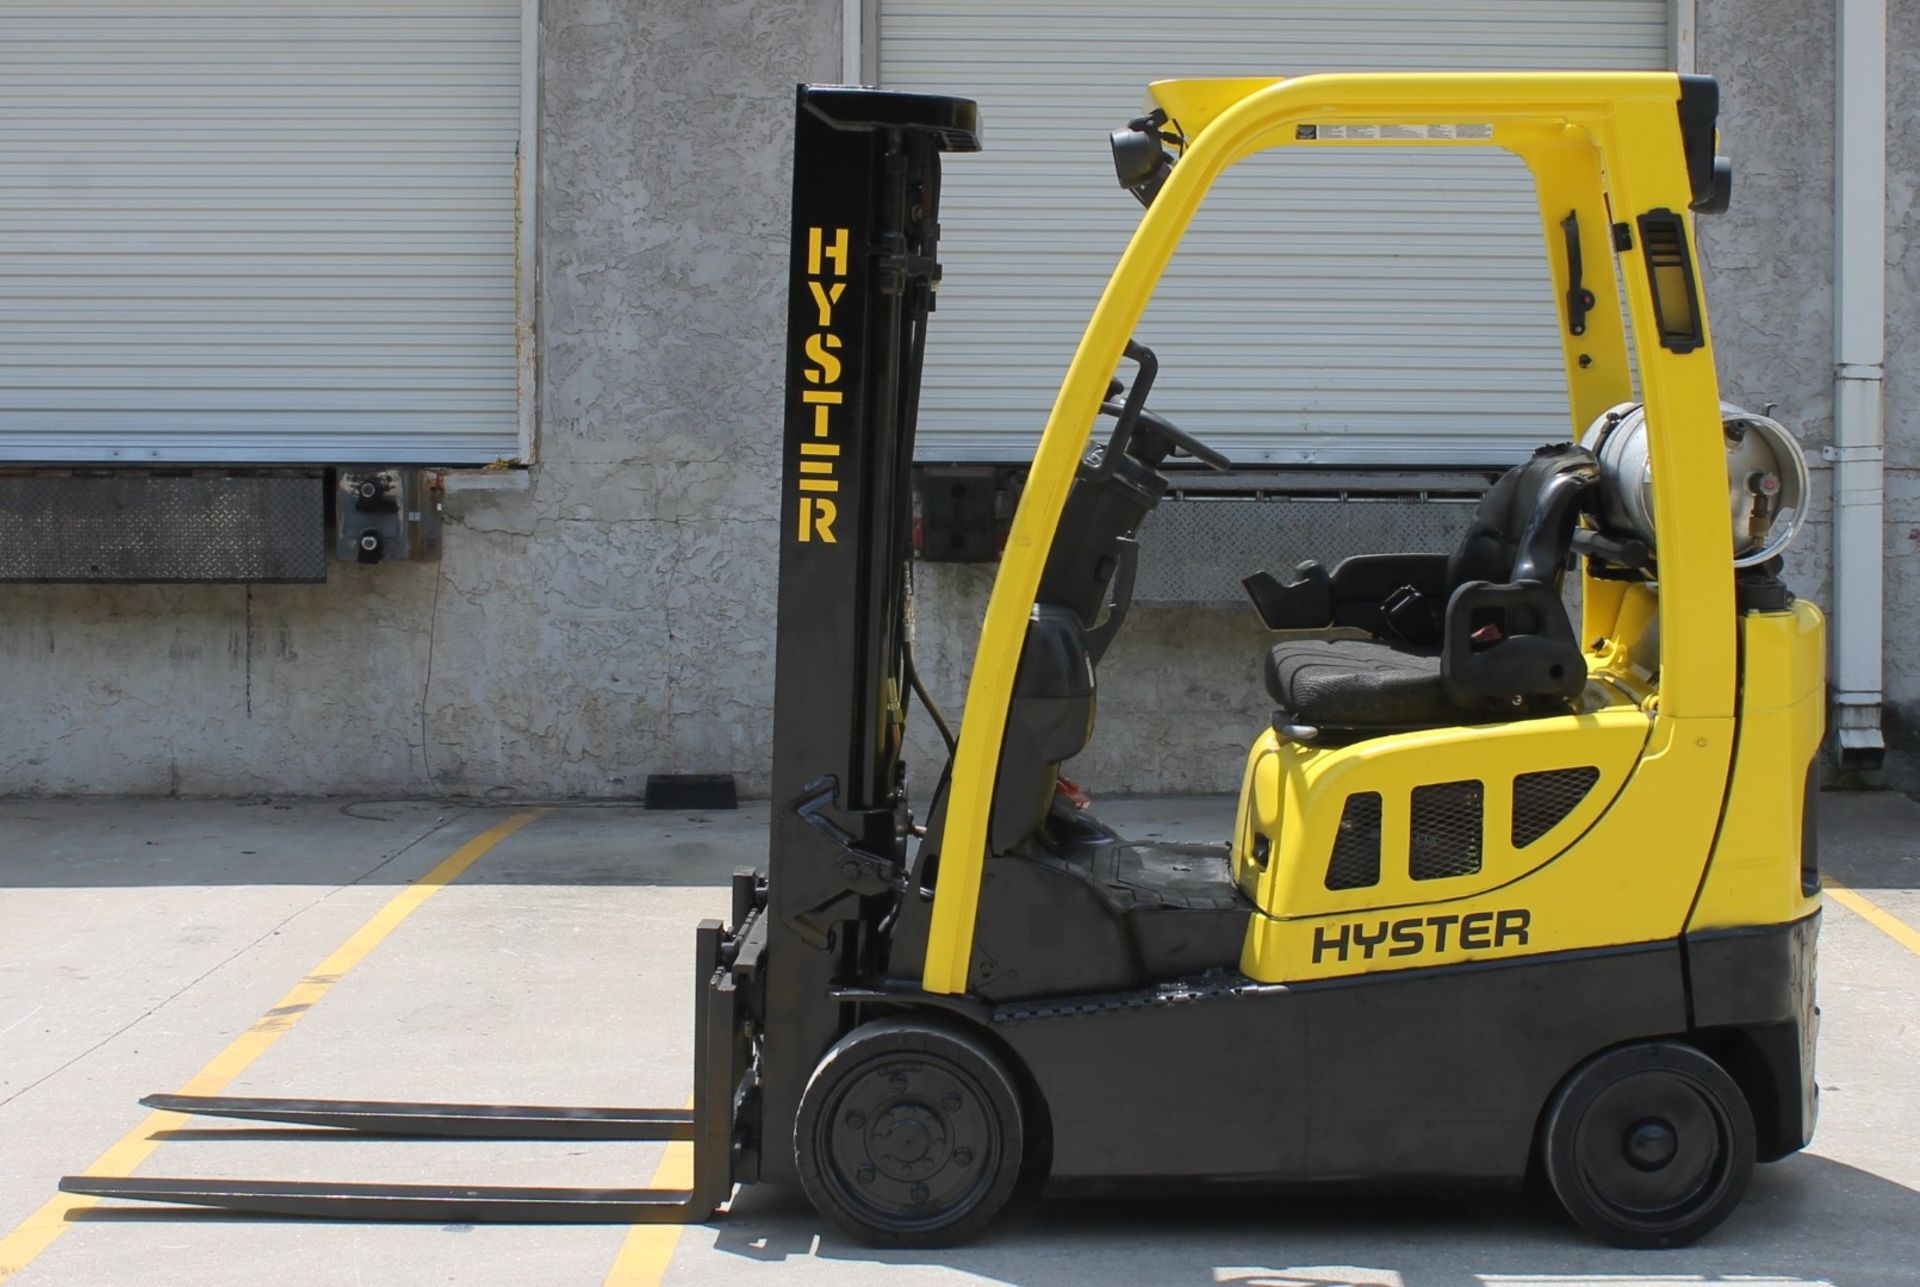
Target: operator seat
point(1433, 640)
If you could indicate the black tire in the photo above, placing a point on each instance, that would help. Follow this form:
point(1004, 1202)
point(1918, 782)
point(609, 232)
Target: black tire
point(1649, 1145)
point(910, 1134)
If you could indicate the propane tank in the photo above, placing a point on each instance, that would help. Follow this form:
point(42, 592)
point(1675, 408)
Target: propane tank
point(1767, 484)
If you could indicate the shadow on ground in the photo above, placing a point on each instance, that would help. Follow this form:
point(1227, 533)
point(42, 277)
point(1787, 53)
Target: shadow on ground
point(97, 844)
point(1870, 840)
point(1792, 1229)
point(1805, 1221)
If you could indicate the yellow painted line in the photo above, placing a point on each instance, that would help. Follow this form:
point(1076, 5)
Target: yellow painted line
point(648, 1248)
point(1871, 912)
point(38, 1231)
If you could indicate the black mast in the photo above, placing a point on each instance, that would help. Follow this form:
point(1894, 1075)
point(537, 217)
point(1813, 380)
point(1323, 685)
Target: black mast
point(866, 193)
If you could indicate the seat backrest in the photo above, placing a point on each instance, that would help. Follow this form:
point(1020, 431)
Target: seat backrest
point(1522, 529)
point(1507, 644)
point(1049, 721)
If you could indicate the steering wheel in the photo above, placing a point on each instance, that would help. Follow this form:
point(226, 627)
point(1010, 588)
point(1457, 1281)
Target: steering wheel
point(1176, 438)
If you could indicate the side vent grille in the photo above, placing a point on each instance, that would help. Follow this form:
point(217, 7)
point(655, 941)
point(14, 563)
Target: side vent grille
point(1542, 800)
point(1446, 826)
point(1356, 849)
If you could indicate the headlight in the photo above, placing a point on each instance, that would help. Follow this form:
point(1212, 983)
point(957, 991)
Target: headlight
point(1139, 160)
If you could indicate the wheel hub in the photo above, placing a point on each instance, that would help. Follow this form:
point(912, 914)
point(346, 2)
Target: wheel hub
point(908, 1141)
point(1651, 1143)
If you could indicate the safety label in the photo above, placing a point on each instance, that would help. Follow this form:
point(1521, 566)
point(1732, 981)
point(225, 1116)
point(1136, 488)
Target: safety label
point(1392, 133)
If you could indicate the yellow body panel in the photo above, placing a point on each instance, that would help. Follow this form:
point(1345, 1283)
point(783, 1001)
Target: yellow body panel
point(1756, 876)
point(1622, 868)
point(1300, 793)
point(1602, 146)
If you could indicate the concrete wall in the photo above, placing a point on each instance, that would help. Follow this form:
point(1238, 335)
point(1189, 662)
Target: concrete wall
point(1180, 693)
point(1903, 395)
point(1768, 261)
point(1769, 275)
point(608, 614)
point(607, 619)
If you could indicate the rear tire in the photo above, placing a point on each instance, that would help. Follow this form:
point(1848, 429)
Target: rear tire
point(1650, 1145)
point(910, 1134)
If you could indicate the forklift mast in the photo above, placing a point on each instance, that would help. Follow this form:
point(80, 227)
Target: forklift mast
point(866, 195)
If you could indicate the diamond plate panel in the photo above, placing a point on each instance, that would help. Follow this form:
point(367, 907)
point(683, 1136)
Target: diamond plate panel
point(157, 527)
point(1197, 549)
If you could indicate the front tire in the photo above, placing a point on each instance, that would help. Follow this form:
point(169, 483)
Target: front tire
point(910, 1134)
point(1650, 1145)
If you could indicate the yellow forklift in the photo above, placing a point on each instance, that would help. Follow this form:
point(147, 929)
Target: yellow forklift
point(1501, 896)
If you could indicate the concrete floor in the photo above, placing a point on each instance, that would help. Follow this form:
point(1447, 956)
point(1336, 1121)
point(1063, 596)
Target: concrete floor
point(139, 938)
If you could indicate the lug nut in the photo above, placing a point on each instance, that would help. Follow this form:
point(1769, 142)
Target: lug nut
point(919, 1193)
point(856, 1119)
point(951, 1103)
point(864, 1175)
point(897, 1082)
point(963, 1157)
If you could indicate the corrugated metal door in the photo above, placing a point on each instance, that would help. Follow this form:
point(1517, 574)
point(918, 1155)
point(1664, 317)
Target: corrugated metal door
point(1385, 307)
point(258, 230)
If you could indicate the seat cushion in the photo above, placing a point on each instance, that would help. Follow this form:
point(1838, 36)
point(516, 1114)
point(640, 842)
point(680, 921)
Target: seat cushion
point(1359, 685)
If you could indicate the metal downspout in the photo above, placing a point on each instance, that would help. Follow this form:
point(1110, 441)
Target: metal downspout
point(1858, 450)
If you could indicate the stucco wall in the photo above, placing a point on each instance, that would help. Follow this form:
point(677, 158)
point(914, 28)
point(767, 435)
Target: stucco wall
point(1770, 281)
point(609, 614)
point(1903, 394)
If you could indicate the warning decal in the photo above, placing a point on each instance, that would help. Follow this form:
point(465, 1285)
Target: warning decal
point(1392, 133)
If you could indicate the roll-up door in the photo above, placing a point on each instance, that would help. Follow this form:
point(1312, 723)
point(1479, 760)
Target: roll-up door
point(259, 231)
point(1359, 307)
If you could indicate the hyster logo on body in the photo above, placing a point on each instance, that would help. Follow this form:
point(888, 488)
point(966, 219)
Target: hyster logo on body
point(1416, 934)
point(820, 454)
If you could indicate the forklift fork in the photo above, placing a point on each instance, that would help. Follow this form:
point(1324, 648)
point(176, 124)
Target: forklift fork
point(722, 1085)
point(442, 1121)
